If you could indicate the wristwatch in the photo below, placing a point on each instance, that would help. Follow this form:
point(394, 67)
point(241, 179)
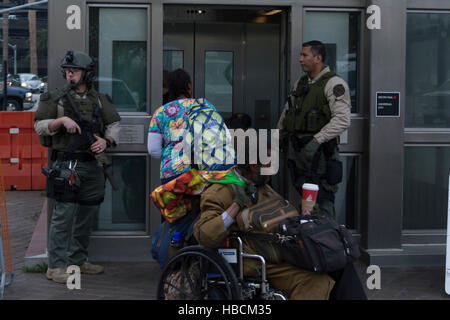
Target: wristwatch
point(108, 143)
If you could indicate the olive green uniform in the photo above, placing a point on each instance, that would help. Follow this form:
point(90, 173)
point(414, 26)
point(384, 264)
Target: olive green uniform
point(319, 108)
point(295, 283)
point(72, 217)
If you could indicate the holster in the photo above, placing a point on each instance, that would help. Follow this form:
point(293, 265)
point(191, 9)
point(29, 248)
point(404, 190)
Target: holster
point(63, 184)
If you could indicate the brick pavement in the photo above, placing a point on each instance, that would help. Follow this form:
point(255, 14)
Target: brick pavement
point(138, 280)
point(120, 280)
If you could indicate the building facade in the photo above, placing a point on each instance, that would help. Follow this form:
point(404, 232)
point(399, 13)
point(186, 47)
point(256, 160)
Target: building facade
point(244, 57)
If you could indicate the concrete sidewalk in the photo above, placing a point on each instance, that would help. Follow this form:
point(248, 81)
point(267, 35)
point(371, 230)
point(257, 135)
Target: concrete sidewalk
point(138, 280)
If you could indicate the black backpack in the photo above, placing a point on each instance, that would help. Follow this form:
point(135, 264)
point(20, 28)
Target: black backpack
point(317, 244)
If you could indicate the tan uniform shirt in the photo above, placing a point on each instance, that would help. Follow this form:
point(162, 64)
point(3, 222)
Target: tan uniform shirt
point(41, 126)
point(340, 108)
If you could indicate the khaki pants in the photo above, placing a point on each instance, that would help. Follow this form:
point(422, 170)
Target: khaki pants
point(295, 283)
point(71, 223)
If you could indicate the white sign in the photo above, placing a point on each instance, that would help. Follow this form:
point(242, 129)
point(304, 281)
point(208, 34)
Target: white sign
point(447, 265)
point(229, 254)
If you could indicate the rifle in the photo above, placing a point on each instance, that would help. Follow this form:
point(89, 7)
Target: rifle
point(88, 129)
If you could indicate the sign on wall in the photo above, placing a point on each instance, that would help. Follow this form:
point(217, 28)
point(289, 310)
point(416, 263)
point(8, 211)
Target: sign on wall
point(388, 104)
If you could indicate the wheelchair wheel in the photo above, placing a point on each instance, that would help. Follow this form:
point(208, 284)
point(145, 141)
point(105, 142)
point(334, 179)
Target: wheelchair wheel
point(198, 273)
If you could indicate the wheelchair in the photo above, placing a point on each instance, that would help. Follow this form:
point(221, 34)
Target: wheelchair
point(199, 273)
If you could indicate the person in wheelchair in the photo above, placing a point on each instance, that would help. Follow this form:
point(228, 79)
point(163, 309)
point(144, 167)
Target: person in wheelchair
point(220, 206)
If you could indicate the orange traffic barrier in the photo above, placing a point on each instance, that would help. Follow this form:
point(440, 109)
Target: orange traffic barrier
point(21, 154)
point(39, 160)
point(38, 180)
point(15, 135)
point(15, 148)
point(17, 175)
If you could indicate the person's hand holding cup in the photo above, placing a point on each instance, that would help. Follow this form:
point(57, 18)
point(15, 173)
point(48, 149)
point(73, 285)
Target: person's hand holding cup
point(309, 197)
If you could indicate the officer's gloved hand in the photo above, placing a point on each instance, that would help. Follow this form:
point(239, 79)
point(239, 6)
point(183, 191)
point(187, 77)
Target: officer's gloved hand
point(307, 154)
point(240, 195)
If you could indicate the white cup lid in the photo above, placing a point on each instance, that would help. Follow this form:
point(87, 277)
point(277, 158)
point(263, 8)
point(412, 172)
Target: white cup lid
point(310, 186)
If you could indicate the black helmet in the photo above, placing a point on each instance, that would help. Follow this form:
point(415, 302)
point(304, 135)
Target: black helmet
point(80, 60)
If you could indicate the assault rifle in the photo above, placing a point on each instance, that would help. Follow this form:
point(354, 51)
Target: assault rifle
point(86, 139)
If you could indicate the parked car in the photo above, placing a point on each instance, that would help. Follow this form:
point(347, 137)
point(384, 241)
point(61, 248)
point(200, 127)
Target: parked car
point(28, 81)
point(17, 99)
point(123, 98)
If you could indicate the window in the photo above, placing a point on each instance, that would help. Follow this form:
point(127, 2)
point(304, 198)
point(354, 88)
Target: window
point(118, 43)
point(172, 60)
point(346, 199)
point(219, 80)
point(427, 70)
point(124, 209)
point(340, 32)
point(425, 195)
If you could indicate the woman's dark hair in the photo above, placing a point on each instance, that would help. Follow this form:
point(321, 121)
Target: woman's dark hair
point(177, 83)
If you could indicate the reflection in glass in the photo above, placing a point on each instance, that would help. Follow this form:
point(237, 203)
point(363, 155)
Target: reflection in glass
point(425, 187)
point(124, 209)
point(427, 70)
point(172, 60)
point(346, 200)
point(339, 31)
point(118, 43)
point(219, 80)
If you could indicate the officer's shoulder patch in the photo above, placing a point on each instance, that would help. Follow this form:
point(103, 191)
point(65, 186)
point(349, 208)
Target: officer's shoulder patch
point(45, 96)
point(338, 90)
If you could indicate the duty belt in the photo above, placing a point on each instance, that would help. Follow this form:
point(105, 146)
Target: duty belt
point(67, 156)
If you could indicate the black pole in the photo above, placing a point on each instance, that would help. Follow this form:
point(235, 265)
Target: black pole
point(5, 85)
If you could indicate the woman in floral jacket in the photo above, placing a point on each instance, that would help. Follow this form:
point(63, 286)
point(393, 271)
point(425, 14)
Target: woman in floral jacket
point(168, 127)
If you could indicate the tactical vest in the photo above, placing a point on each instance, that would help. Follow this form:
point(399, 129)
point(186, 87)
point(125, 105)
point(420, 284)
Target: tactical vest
point(310, 111)
point(89, 110)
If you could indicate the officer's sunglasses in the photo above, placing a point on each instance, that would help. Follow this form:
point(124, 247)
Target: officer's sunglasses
point(72, 70)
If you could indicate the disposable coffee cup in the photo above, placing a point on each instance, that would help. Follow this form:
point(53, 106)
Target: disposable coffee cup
point(309, 197)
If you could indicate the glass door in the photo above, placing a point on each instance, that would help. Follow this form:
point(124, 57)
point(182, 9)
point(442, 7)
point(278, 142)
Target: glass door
point(118, 42)
point(219, 65)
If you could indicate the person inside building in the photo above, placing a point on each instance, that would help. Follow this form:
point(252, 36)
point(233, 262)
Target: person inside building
point(78, 124)
point(316, 113)
point(220, 205)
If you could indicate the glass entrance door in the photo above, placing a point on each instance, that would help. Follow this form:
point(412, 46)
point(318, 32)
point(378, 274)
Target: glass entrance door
point(232, 55)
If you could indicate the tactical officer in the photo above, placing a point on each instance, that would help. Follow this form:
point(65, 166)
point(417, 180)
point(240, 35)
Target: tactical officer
point(78, 124)
point(316, 113)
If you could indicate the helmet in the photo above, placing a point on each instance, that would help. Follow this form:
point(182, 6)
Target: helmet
point(80, 60)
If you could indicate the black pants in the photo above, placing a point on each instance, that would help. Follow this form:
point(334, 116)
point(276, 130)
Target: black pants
point(347, 286)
